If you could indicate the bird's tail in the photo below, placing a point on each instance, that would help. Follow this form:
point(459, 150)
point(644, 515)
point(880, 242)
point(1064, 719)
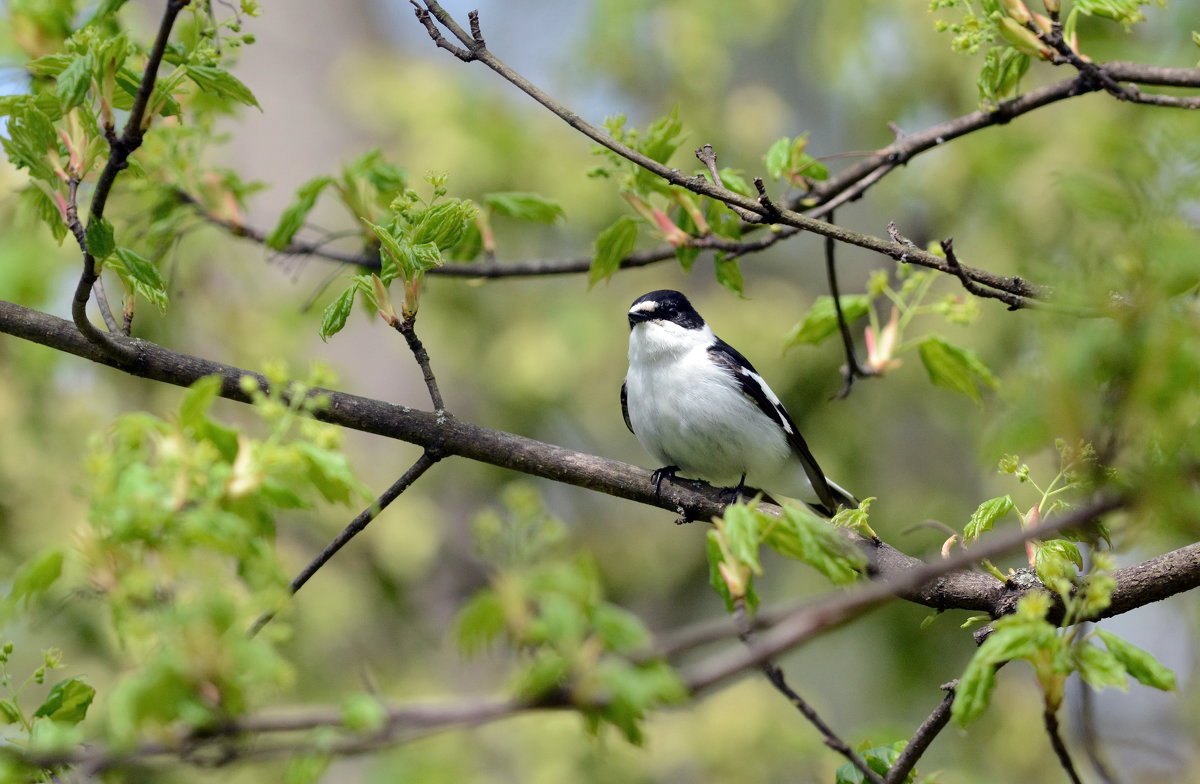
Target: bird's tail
point(841, 497)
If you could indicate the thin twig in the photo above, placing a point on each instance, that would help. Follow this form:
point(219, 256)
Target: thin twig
point(1088, 733)
point(120, 148)
point(777, 679)
point(405, 327)
point(1060, 749)
point(1014, 302)
point(105, 310)
point(423, 463)
point(817, 617)
point(708, 157)
point(852, 369)
point(929, 729)
point(767, 211)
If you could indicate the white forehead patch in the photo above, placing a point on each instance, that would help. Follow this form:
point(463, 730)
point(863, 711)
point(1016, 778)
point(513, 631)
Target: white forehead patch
point(642, 307)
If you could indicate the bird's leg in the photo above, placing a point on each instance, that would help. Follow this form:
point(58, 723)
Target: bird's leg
point(659, 474)
point(731, 494)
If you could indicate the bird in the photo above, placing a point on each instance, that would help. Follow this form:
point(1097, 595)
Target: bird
point(701, 409)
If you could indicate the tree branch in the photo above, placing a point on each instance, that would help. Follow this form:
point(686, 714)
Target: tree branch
point(120, 148)
point(763, 207)
point(423, 463)
point(943, 585)
point(921, 739)
point(1050, 719)
point(777, 679)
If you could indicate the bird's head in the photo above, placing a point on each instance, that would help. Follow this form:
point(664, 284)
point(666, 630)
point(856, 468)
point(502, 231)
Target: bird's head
point(664, 320)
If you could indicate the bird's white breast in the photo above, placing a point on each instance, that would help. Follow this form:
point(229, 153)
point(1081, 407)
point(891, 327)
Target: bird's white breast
point(688, 412)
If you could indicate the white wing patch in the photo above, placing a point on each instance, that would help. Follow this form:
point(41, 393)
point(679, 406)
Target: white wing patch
point(771, 397)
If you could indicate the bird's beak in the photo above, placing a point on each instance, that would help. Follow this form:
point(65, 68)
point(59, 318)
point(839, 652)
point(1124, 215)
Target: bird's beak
point(638, 316)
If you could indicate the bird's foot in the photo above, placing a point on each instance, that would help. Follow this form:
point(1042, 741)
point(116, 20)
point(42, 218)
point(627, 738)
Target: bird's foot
point(659, 474)
point(729, 495)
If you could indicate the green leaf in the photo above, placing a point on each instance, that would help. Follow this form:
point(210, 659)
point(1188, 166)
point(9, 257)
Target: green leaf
point(741, 528)
point(545, 672)
point(74, 81)
point(141, 276)
point(193, 409)
point(663, 137)
point(879, 759)
point(1003, 67)
point(336, 314)
point(37, 574)
point(363, 713)
point(444, 224)
point(986, 515)
point(1016, 637)
point(802, 535)
point(614, 244)
point(328, 471)
point(821, 320)
point(620, 629)
point(105, 9)
point(1057, 562)
point(524, 206)
point(9, 713)
point(729, 274)
point(67, 702)
point(777, 158)
point(294, 216)
point(955, 367)
point(397, 261)
point(218, 81)
point(1100, 668)
point(99, 237)
point(480, 621)
point(974, 690)
point(306, 768)
point(715, 557)
point(50, 64)
point(1139, 663)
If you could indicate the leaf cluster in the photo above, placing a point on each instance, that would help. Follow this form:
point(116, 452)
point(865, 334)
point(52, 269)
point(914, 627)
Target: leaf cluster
point(674, 213)
point(549, 605)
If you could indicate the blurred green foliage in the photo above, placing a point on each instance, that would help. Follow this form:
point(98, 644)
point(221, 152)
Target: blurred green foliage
point(146, 557)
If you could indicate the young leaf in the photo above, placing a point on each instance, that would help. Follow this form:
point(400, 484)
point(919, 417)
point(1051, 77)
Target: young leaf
point(37, 574)
point(99, 236)
point(955, 367)
point(777, 158)
point(397, 260)
point(1139, 663)
point(741, 528)
point(1100, 668)
point(444, 224)
point(715, 579)
point(218, 81)
point(805, 537)
point(821, 320)
point(729, 275)
point(293, 217)
point(141, 277)
point(986, 515)
point(524, 206)
point(67, 702)
point(336, 314)
point(614, 244)
point(74, 81)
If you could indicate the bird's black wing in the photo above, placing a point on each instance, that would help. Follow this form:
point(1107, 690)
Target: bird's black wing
point(625, 407)
point(754, 387)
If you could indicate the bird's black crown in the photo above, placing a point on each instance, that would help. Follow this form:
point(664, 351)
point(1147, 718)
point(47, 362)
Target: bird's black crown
point(665, 305)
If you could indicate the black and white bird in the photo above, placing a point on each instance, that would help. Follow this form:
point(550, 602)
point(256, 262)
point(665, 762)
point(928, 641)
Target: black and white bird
point(701, 409)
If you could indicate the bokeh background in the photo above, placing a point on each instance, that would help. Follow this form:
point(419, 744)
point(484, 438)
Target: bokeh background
point(544, 357)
